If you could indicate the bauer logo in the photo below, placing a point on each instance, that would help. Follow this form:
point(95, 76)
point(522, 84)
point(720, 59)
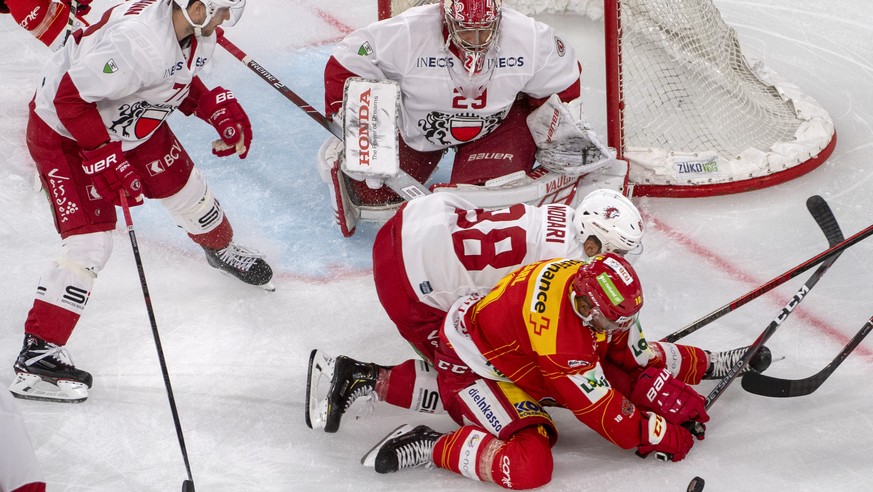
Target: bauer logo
point(707, 165)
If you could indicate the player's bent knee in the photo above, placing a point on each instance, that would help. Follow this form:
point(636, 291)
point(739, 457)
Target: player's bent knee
point(525, 462)
point(86, 254)
point(194, 207)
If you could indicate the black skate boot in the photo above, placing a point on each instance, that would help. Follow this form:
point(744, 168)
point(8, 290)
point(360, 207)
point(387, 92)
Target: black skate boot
point(720, 363)
point(242, 263)
point(406, 447)
point(45, 371)
point(349, 380)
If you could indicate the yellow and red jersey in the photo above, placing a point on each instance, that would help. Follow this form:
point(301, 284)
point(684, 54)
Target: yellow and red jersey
point(527, 329)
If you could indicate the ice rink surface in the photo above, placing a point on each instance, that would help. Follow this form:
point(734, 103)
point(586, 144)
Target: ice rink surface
point(237, 355)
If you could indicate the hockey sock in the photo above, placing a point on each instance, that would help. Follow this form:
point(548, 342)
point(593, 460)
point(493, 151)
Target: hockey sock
point(411, 385)
point(522, 462)
point(686, 363)
point(218, 238)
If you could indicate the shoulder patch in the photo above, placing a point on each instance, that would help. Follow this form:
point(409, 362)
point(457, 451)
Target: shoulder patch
point(110, 67)
point(365, 49)
point(559, 46)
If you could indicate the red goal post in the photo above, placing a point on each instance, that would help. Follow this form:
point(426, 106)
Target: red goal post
point(690, 113)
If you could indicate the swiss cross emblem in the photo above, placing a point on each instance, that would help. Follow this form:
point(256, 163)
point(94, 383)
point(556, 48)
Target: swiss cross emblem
point(539, 324)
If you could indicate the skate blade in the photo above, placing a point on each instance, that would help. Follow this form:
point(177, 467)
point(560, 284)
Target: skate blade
point(269, 287)
point(369, 459)
point(321, 368)
point(34, 387)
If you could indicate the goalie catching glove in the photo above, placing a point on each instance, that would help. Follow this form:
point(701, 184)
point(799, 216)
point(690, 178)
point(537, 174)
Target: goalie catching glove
point(566, 143)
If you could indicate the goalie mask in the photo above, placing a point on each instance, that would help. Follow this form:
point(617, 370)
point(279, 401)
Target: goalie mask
point(234, 8)
point(606, 294)
point(473, 27)
point(612, 219)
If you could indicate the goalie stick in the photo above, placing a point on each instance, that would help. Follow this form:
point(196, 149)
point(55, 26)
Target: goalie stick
point(822, 212)
point(828, 224)
point(761, 384)
point(403, 184)
point(187, 485)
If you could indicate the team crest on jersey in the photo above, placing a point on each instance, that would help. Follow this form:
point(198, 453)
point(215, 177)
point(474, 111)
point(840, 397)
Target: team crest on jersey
point(447, 129)
point(140, 116)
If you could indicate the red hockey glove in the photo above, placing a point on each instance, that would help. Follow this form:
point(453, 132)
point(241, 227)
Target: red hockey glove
point(658, 391)
point(660, 436)
point(82, 6)
point(220, 108)
point(110, 172)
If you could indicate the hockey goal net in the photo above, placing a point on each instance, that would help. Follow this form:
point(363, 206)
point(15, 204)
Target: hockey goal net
point(691, 114)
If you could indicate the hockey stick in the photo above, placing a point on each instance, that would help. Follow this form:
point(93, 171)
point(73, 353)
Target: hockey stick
point(403, 184)
point(74, 7)
point(187, 485)
point(828, 224)
point(819, 208)
point(761, 384)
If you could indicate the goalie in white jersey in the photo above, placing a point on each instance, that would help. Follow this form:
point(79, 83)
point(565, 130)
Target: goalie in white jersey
point(482, 79)
point(440, 248)
point(97, 130)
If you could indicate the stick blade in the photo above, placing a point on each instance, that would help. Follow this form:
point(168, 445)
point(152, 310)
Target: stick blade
point(763, 385)
point(188, 486)
point(824, 217)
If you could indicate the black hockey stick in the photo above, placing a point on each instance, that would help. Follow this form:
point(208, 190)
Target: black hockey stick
point(819, 209)
point(403, 184)
point(74, 7)
point(828, 224)
point(187, 485)
point(761, 384)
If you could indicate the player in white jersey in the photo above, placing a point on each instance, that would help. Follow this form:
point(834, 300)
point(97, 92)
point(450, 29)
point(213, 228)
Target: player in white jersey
point(470, 72)
point(440, 248)
point(97, 132)
point(46, 19)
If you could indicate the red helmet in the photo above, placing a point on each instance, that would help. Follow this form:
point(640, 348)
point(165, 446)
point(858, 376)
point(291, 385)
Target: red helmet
point(606, 293)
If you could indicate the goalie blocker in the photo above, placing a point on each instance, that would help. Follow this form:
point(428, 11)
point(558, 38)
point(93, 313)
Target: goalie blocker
point(574, 161)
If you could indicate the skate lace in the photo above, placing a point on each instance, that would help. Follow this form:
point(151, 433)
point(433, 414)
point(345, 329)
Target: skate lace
point(723, 361)
point(59, 353)
point(415, 454)
point(239, 257)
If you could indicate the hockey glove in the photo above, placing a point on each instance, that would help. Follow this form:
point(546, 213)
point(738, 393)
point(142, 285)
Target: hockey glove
point(110, 172)
point(660, 436)
point(220, 109)
point(566, 143)
point(82, 6)
point(658, 391)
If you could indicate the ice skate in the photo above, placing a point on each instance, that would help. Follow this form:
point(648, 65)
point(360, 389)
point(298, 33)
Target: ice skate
point(45, 371)
point(243, 263)
point(348, 379)
point(405, 447)
point(720, 363)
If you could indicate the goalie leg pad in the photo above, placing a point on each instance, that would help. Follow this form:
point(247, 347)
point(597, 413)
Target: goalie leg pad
point(328, 165)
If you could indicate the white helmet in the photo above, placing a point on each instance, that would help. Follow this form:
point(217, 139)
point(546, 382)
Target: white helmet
point(612, 219)
point(235, 7)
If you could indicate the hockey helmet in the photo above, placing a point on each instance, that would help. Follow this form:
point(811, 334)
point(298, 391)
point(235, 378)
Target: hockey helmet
point(612, 219)
point(473, 24)
point(235, 8)
point(606, 293)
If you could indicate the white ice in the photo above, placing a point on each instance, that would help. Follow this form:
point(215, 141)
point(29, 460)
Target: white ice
point(237, 355)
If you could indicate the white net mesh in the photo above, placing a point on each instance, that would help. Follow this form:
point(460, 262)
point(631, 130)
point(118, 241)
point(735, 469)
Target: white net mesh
point(695, 111)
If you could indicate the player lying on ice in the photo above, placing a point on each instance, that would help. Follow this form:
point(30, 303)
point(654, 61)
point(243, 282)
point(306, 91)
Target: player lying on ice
point(499, 88)
point(97, 128)
point(560, 332)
